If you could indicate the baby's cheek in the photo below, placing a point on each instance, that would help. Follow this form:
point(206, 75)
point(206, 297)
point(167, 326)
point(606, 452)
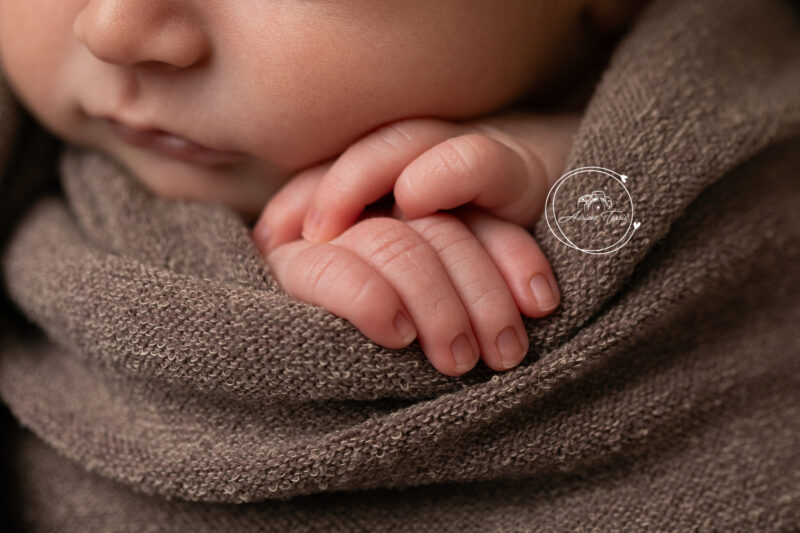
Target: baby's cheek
point(35, 52)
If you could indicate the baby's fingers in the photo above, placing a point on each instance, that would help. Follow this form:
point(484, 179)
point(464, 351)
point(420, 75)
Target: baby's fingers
point(281, 220)
point(413, 268)
point(341, 282)
point(476, 169)
point(367, 171)
point(491, 308)
point(504, 165)
point(519, 259)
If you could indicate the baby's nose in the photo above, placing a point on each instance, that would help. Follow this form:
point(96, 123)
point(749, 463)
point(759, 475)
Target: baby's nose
point(127, 32)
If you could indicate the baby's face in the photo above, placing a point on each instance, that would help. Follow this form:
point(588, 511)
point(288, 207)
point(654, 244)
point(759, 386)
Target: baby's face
point(279, 85)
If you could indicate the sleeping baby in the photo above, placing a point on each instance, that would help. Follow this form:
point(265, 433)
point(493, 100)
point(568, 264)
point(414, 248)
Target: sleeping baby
point(379, 144)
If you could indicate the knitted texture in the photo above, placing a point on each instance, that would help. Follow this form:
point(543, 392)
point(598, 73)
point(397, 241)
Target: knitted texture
point(172, 385)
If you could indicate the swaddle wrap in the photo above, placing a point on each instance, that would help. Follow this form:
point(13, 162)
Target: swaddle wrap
point(172, 372)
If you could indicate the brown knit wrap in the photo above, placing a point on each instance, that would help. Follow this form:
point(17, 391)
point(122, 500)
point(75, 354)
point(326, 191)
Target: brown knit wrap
point(664, 392)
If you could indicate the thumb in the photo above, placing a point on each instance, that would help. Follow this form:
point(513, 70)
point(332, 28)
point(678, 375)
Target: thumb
point(281, 220)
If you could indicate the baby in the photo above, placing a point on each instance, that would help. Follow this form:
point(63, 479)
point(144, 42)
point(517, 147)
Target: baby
point(319, 108)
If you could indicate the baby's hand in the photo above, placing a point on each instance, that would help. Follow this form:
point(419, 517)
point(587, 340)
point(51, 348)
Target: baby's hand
point(503, 164)
point(385, 275)
point(452, 272)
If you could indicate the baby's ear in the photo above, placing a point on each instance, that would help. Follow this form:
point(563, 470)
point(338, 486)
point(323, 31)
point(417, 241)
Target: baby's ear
point(611, 16)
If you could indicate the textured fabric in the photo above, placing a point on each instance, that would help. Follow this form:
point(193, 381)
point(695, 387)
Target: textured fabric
point(175, 386)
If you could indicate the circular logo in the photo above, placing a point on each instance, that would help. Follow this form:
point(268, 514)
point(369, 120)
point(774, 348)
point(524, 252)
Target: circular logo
point(590, 209)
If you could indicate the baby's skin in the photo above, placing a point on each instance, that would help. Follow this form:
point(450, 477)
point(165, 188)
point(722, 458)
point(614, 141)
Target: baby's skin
point(321, 106)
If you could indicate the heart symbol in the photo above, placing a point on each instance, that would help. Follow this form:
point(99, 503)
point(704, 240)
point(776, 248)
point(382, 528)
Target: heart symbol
point(624, 178)
point(636, 225)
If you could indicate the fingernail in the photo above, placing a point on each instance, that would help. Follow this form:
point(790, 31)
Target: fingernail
point(543, 293)
point(404, 328)
point(462, 353)
point(509, 347)
point(311, 224)
point(261, 235)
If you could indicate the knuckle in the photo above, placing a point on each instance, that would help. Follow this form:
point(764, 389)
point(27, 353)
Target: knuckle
point(443, 231)
point(369, 297)
point(492, 299)
point(392, 239)
point(455, 249)
point(322, 264)
point(463, 155)
point(445, 312)
point(393, 135)
point(402, 132)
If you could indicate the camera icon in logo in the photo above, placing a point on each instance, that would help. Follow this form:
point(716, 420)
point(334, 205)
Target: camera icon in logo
point(596, 201)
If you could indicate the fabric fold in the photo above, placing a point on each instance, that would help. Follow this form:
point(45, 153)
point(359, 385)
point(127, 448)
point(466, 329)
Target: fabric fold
point(172, 362)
